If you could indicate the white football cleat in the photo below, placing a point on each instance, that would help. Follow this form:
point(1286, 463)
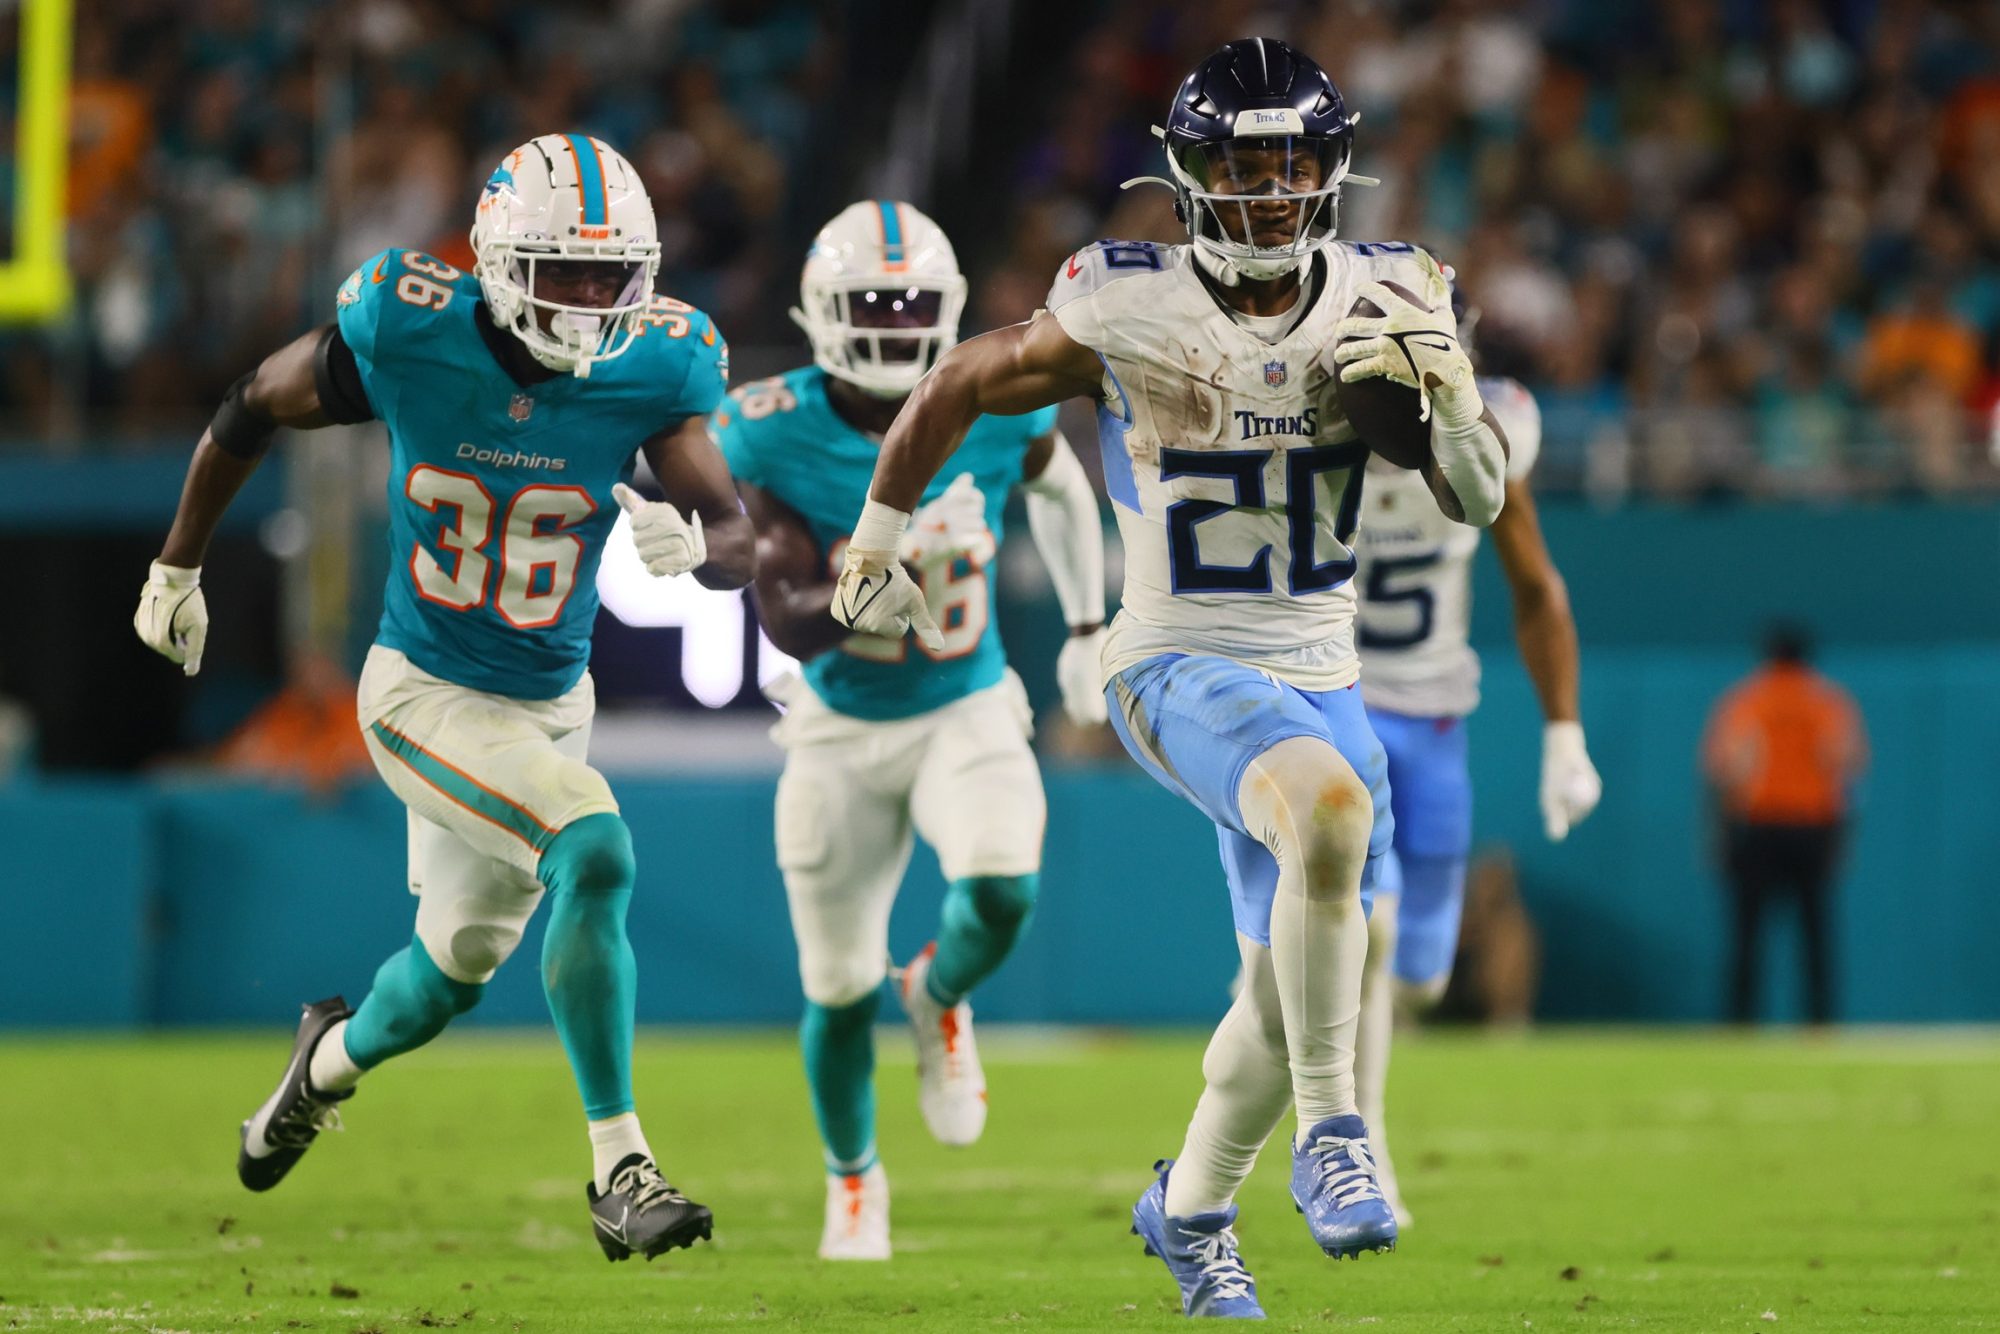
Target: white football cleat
point(951, 1088)
point(857, 1216)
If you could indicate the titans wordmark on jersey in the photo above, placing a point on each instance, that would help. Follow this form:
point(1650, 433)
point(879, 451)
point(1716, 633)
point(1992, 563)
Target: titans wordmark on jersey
point(500, 493)
point(783, 436)
point(1235, 478)
point(1416, 577)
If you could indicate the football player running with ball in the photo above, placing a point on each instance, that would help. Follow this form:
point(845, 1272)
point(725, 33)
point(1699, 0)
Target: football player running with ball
point(516, 398)
point(1231, 668)
point(888, 738)
point(1420, 682)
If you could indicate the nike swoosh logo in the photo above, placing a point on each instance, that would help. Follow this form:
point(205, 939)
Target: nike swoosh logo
point(378, 275)
point(615, 1233)
point(1074, 271)
point(1435, 347)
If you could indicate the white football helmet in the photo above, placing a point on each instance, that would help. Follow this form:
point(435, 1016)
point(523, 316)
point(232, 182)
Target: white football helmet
point(880, 296)
point(565, 197)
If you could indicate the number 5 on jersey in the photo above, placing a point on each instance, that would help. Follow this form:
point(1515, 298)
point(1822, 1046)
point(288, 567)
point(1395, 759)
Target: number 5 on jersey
point(538, 555)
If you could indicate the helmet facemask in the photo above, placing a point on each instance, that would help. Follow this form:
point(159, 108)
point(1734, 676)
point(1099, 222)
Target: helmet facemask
point(1261, 204)
point(880, 333)
point(576, 336)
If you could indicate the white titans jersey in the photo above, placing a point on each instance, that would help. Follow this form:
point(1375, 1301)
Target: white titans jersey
point(1234, 476)
point(1416, 577)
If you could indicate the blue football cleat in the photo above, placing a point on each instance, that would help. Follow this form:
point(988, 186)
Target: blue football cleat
point(1334, 1186)
point(1200, 1252)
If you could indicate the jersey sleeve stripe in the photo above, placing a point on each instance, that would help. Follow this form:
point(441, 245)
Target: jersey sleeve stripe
point(1120, 482)
point(893, 259)
point(589, 179)
point(465, 790)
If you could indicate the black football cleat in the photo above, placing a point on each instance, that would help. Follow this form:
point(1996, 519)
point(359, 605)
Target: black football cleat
point(642, 1212)
point(279, 1133)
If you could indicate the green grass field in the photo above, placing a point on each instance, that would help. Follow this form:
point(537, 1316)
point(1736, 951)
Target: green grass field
point(1591, 1181)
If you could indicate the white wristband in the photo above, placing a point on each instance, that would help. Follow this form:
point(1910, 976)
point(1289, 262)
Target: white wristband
point(880, 527)
point(174, 576)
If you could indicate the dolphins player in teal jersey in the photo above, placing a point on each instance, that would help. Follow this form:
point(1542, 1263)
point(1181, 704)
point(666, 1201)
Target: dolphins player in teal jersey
point(884, 737)
point(516, 398)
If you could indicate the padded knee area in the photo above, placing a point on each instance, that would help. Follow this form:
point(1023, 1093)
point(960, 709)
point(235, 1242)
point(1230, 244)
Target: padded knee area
point(836, 984)
point(590, 856)
point(1304, 801)
point(470, 935)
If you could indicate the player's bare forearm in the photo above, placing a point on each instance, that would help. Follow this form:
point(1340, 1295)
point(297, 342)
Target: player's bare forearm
point(794, 589)
point(213, 479)
point(1006, 372)
point(282, 392)
point(798, 618)
point(1544, 628)
point(692, 473)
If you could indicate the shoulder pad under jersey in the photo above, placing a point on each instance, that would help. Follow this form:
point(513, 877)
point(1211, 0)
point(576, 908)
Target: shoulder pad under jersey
point(1103, 262)
point(395, 292)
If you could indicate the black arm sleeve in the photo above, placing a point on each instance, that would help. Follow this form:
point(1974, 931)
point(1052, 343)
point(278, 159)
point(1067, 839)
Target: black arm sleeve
point(338, 380)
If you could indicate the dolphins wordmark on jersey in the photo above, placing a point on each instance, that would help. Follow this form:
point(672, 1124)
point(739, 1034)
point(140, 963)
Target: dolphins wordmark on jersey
point(500, 492)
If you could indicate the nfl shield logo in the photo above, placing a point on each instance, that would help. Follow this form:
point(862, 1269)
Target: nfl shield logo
point(520, 406)
point(1274, 373)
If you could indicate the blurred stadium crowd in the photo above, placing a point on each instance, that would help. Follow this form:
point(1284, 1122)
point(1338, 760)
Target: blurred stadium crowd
point(227, 172)
point(1735, 245)
point(1748, 246)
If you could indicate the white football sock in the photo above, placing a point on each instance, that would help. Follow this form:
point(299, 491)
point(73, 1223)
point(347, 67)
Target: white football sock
point(612, 1140)
point(1378, 1016)
point(1372, 1036)
point(331, 1069)
point(1303, 801)
point(1248, 1091)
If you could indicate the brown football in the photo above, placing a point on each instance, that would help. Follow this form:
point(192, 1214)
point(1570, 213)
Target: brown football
point(1385, 414)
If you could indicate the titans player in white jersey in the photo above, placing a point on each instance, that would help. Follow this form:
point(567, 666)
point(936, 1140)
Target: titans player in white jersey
point(884, 738)
point(1231, 666)
point(517, 399)
point(1420, 679)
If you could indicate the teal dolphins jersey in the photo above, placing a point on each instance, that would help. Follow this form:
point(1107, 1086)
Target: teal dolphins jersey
point(500, 493)
point(783, 436)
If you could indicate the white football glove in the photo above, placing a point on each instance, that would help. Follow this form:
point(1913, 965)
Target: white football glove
point(1570, 785)
point(876, 596)
point(1412, 346)
point(1080, 678)
point(667, 544)
point(952, 525)
point(173, 616)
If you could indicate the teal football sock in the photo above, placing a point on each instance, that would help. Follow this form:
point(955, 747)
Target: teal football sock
point(588, 970)
point(839, 1046)
point(983, 916)
point(410, 1003)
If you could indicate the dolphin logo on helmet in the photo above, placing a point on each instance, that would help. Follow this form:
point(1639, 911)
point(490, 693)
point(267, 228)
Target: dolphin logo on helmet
point(563, 198)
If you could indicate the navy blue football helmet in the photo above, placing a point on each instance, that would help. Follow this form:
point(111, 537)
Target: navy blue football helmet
point(1258, 142)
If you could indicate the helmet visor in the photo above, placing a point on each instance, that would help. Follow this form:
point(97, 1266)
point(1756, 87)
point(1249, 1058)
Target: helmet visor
point(584, 284)
point(1274, 194)
point(914, 311)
